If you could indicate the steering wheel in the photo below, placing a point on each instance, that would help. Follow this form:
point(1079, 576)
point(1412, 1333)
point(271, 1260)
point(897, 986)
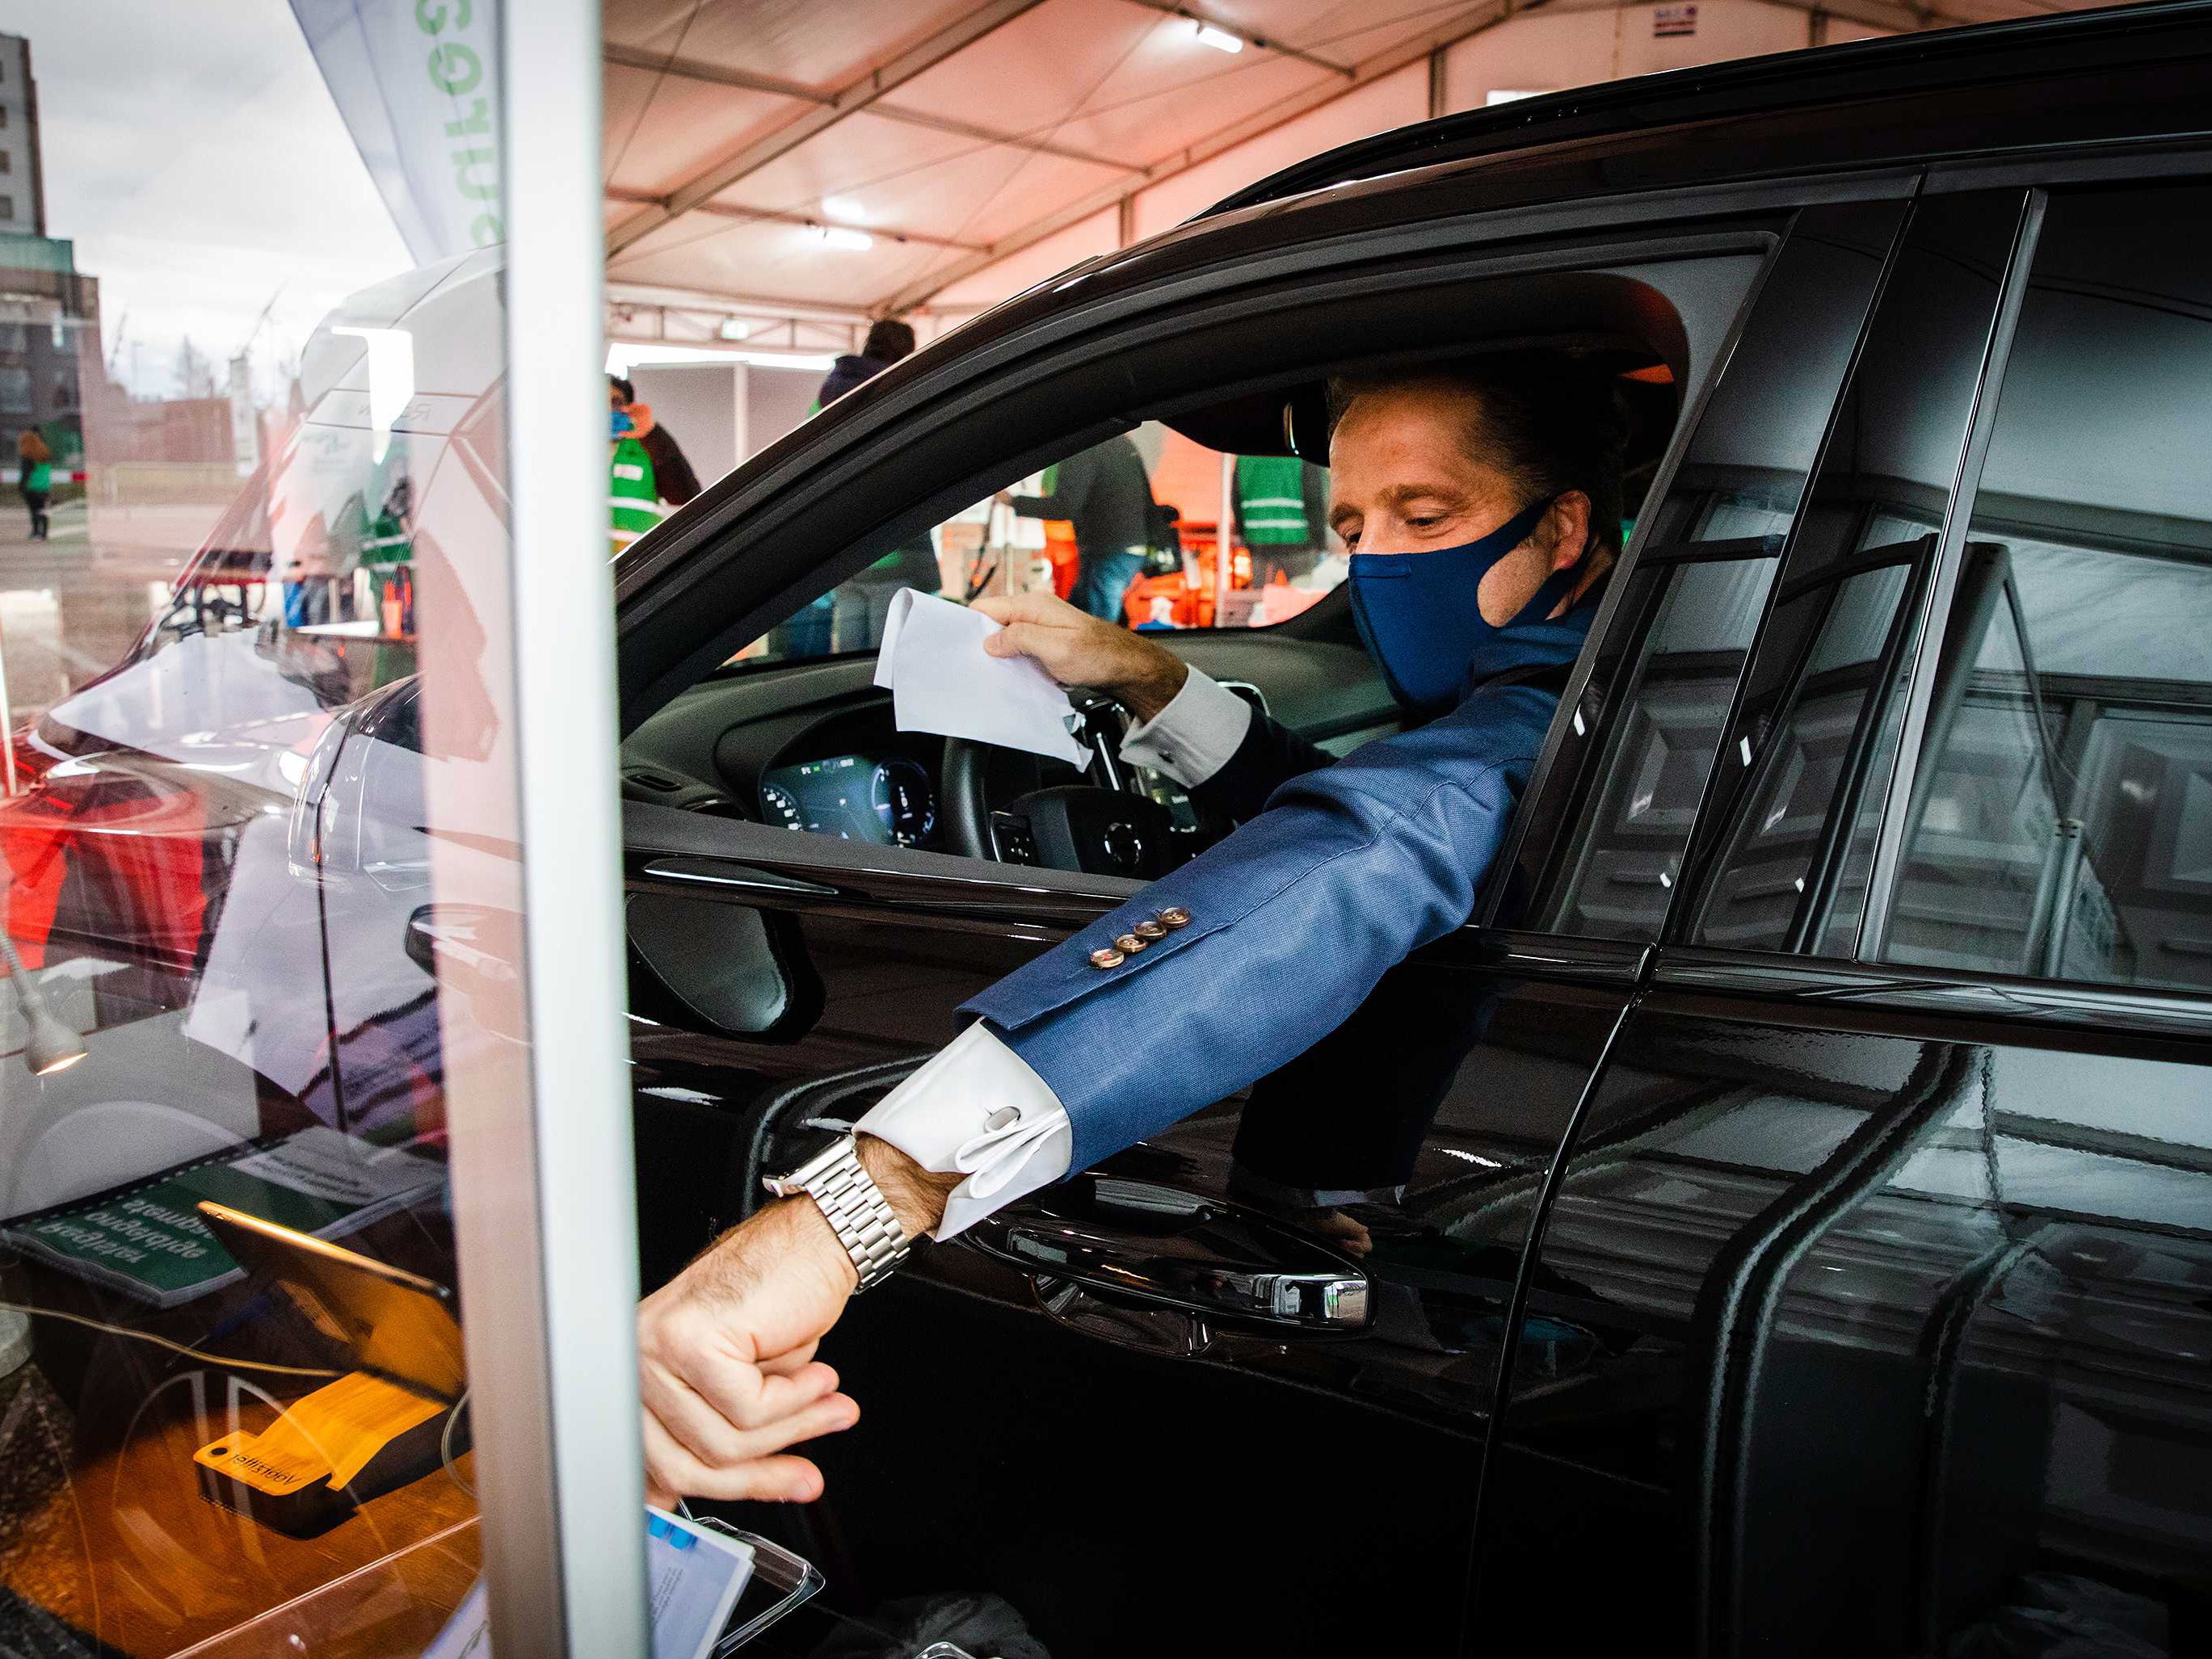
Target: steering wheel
point(1005, 804)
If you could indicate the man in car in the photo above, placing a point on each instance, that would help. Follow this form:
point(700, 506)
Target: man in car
point(1481, 503)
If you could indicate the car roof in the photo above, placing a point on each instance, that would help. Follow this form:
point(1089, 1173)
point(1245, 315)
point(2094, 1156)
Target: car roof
point(2017, 54)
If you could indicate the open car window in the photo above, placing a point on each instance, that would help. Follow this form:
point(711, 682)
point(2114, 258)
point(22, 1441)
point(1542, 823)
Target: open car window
point(1128, 528)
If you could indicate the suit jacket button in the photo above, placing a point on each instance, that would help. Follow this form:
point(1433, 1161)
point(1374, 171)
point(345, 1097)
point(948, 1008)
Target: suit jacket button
point(1151, 930)
point(1128, 945)
point(1174, 916)
point(1106, 956)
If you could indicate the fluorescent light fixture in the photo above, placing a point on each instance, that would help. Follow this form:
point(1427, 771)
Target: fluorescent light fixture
point(624, 355)
point(844, 209)
point(1220, 39)
point(732, 329)
point(842, 236)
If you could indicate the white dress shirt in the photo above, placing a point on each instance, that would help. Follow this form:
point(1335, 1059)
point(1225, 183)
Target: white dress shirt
point(975, 1107)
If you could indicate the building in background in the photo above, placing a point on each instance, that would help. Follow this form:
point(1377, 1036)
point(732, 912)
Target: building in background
point(49, 311)
point(49, 343)
point(22, 179)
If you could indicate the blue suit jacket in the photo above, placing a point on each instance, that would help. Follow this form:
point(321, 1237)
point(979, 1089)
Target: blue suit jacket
point(1293, 917)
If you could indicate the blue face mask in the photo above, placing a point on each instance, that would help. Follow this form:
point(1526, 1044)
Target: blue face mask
point(619, 424)
point(1416, 613)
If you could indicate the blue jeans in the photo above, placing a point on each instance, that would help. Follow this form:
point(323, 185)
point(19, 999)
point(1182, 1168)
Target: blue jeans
point(1102, 582)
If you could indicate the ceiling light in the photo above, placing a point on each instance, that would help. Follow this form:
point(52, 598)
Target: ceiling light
point(844, 236)
point(732, 329)
point(844, 209)
point(1220, 39)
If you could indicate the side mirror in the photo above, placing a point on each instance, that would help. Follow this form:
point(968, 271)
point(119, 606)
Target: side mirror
point(359, 808)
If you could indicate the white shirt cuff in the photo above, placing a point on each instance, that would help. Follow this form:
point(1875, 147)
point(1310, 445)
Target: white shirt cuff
point(1193, 738)
point(942, 1116)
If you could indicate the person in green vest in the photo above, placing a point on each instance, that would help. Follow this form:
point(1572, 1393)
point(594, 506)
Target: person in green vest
point(631, 495)
point(1282, 514)
point(34, 477)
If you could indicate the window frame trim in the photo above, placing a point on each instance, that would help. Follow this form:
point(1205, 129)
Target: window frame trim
point(1933, 624)
point(1695, 845)
point(1498, 884)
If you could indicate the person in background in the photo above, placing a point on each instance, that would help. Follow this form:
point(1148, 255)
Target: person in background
point(889, 340)
point(671, 473)
point(1104, 491)
point(35, 477)
point(857, 608)
point(1282, 515)
point(632, 497)
point(295, 595)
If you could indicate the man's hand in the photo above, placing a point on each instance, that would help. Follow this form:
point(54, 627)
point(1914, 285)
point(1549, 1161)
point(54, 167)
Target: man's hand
point(726, 1349)
point(1077, 649)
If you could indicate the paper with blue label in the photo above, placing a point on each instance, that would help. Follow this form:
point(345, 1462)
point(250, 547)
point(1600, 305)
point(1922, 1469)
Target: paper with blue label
point(693, 1578)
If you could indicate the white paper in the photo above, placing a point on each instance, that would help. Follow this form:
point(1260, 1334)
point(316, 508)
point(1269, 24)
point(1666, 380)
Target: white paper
point(693, 1576)
point(941, 680)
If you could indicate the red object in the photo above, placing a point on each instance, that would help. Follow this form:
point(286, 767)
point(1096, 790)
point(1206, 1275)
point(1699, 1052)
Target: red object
point(142, 853)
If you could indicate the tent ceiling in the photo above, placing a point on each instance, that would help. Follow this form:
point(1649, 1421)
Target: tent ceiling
point(956, 134)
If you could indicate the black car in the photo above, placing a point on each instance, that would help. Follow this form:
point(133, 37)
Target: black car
point(1781, 1220)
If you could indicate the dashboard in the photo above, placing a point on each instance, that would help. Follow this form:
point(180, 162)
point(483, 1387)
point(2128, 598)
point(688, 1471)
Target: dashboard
point(888, 800)
point(814, 747)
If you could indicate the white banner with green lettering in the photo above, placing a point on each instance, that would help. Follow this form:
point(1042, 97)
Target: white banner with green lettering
point(416, 81)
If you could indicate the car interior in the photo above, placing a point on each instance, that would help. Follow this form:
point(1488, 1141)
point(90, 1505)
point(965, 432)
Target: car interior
point(811, 745)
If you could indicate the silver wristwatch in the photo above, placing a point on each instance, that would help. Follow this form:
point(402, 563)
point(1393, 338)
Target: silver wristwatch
point(858, 1212)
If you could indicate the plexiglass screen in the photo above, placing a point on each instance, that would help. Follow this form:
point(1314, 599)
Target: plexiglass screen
point(257, 818)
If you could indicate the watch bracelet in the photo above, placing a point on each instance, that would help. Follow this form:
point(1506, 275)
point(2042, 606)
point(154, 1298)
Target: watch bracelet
point(862, 1216)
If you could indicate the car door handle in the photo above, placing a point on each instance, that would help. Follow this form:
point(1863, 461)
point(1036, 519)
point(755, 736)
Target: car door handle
point(1156, 1244)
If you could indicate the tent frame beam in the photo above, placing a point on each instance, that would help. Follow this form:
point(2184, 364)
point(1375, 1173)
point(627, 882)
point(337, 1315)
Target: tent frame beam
point(1903, 18)
point(780, 217)
point(847, 101)
point(1460, 25)
point(691, 69)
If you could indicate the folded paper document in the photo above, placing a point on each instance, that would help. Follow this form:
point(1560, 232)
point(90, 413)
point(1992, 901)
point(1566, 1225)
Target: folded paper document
point(941, 680)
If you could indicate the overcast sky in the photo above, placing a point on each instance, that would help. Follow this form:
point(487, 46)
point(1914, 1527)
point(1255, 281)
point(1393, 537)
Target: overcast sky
point(195, 158)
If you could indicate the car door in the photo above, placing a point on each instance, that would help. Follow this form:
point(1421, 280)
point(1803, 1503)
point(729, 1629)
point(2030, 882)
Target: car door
point(1892, 1201)
point(1050, 1410)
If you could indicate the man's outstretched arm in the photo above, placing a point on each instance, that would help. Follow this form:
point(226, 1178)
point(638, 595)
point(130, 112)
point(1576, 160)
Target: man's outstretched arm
point(1300, 912)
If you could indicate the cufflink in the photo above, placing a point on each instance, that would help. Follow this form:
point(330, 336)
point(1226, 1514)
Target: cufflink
point(1174, 917)
point(1003, 1116)
point(1106, 956)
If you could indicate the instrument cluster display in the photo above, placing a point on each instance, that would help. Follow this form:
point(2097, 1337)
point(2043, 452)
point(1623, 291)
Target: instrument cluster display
point(889, 802)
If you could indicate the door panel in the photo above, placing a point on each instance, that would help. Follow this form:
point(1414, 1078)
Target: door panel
point(1903, 1328)
point(1360, 1453)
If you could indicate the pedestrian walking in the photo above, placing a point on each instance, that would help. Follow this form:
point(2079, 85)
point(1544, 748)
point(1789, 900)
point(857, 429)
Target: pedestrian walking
point(35, 477)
